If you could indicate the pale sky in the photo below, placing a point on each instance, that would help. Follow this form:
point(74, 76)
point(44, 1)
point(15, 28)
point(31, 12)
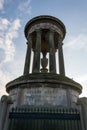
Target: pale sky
point(14, 14)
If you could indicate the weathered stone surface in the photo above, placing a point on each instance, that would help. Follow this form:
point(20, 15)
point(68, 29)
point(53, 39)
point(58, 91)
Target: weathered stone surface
point(83, 103)
point(45, 96)
point(44, 78)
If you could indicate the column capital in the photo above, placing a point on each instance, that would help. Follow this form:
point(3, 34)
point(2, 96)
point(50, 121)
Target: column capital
point(6, 99)
point(60, 43)
point(60, 39)
point(29, 34)
point(29, 38)
point(52, 31)
point(38, 30)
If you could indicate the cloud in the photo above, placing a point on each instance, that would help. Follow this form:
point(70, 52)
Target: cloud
point(77, 43)
point(8, 32)
point(24, 6)
point(82, 78)
point(4, 77)
point(2, 92)
point(3, 24)
point(1, 4)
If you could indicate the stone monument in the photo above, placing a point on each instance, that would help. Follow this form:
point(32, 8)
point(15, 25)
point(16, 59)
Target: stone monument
point(44, 88)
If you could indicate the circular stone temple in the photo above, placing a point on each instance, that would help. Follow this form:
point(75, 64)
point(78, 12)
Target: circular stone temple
point(41, 83)
point(44, 35)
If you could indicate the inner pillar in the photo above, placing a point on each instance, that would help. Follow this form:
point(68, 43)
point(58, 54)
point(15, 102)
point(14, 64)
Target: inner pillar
point(36, 60)
point(28, 56)
point(61, 60)
point(52, 62)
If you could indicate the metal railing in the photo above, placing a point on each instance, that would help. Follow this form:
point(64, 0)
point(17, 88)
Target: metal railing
point(44, 118)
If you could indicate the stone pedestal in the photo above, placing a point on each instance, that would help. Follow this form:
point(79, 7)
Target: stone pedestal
point(44, 89)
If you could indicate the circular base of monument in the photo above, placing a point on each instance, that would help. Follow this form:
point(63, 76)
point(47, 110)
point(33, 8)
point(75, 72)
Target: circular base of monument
point(41, 89)
point(49, 78)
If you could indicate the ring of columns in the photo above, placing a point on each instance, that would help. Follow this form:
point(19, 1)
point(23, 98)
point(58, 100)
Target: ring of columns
point(44, 36)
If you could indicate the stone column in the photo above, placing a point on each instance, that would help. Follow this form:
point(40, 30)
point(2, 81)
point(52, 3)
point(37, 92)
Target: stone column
point(61, 60)
point(52, 62)
point(28, 56)
point(82, 103)
point(36, 59)
point(9, 102)
point(0, 105)
point(4, 111)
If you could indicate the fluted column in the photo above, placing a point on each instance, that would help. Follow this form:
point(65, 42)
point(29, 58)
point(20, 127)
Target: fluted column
point(52, 62)
point(61, 59)
point(36, 59)
point(28, 56)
